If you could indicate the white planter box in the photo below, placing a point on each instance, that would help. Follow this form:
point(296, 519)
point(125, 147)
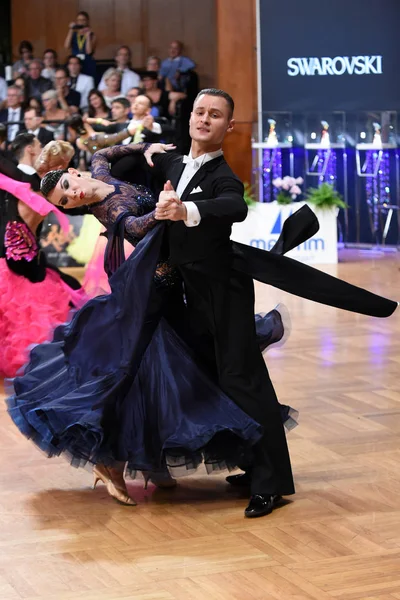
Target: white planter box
point(263, 225)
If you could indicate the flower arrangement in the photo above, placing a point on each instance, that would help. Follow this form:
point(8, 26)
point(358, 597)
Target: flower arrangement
point(288, 187)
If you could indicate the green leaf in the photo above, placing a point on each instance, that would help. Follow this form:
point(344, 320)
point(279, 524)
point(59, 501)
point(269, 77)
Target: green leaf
point(325, 196)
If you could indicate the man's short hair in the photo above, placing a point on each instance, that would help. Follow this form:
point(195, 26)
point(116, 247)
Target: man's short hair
point(75, 57)
point(220, 94)
point(124, 101)
point(35, 109)
point(64, 70)
point(21, 141)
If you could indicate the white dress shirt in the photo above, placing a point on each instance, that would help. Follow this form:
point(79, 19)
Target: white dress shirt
point(26, 169)
point(84, 85)
point(191, 168)
point(129, 80)
point(14, 114)
point(3, 89)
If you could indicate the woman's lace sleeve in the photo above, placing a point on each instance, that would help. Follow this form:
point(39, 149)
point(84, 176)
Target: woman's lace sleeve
point(102, 159)
point(137, 227)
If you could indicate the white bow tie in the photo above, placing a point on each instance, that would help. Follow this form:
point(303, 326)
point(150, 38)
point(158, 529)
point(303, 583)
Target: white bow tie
point(195, 162)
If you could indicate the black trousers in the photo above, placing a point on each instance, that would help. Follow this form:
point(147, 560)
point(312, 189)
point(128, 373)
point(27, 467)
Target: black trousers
point(220, 315)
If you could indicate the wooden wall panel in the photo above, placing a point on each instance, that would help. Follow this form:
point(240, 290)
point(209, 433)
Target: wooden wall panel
point(201, 42)
point(130, 28)
point(63, 13)
point(102, 21)
point(237, 74)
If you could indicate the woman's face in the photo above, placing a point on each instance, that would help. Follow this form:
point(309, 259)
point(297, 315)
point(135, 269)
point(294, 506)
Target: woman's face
point(95, 101)
point(153, 65)
point(82, 20)
point(49, 103)
point(49, 60)
point(73, 190)
point(113, 83)
point(20, 82)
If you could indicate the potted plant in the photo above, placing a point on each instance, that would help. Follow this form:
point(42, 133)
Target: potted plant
point(325, 197)
point(249, 196)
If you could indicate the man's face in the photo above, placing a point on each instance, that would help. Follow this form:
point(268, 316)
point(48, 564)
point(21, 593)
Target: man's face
point(149, 84)
point(153, 65)
point(74, 67)
point(13, 98)
point(32, 121)
point(49, 60)
point(141, 106)
point(210, 120)
point(122, 58)
point(60, 79)
point(119, 112)
point(35, 149)
point(72, 191)
point(34, 70)
point(174, 49)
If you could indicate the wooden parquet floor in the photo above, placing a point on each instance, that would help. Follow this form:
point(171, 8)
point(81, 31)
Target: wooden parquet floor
point(338, 538)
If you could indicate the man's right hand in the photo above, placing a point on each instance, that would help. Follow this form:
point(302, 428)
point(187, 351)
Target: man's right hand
point(157, 149)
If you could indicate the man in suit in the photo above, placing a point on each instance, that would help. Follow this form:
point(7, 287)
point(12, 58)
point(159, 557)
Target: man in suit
point(36, 84)
point(83, 84)
point(220, 301)
point(26, 149)
point(33, 123)
point(13, 113)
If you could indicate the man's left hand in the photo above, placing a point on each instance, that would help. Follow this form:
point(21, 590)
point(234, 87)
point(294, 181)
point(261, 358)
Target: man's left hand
point(170, 210)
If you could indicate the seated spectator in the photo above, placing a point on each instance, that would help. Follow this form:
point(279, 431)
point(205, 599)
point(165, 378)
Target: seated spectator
point(81, 42)
point(133, 93)
point(164, 101)
point(69, 100)
point(112, 79)
point(78, 81)
point(36, 104)
point(33, 122)
point(97, 108)
point(35, 83)
point(173, 67)
point(53, 114)
point(26, 55)
point(26, 149)
point(3, 138)
point(154, 64)
point(142, 122)
point(85, 138)
point(3, 93)
point(13, 112)
point(129, 78)
point(20, 82)
point(120, 108)
point(50, 64)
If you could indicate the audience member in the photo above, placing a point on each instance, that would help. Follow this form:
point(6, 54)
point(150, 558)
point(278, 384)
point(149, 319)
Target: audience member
point(26, 149)
point(142, 123)
point(50, 64)
point(129, 78)
point(69, 100)
point(175, 65)
point(3, 138)
point(81, 42)
point(78, 81)
point(36, 104)
point(26, 55)
point(20, 82)
point(33, 122)
point(13, 112)
point(133, 93)
point(36, 84)
point(86, 139)
point(164, 101)
point(97, 108)
point(112, 79)
point(53, 114)
point(153, 64)
point(120, 108)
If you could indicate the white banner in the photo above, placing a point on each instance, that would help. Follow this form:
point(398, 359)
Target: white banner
point(263, 226)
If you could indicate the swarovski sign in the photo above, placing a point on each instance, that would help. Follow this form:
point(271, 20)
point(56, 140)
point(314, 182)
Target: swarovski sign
point(351, 65)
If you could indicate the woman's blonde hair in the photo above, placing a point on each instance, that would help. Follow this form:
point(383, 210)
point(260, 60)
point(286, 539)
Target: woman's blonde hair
point(50, 95)
point(110, 72)
point(55, 155)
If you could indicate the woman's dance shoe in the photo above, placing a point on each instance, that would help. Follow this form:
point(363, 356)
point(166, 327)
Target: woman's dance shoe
point(161, 480)
point(114, 481)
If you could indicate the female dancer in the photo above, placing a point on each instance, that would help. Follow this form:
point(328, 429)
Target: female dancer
point(34, 298)
point(99, 392)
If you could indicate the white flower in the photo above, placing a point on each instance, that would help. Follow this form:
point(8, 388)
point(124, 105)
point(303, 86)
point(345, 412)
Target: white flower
point(277, 182)
point(295, 190)
point(299, 180)
point(285, 186)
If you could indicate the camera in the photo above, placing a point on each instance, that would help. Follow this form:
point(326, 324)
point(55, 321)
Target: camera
point(79, 26)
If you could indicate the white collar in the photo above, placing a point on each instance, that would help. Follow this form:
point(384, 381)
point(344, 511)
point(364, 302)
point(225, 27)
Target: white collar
point(36, 132)
point(27, 169)
point(201, 160)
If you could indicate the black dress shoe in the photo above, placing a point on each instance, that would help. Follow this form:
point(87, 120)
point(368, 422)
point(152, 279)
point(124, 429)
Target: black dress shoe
point(242, 480)
point(261, 504)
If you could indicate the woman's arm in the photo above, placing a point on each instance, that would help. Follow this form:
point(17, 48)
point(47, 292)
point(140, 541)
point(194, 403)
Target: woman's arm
point(102, 158)
point(68, 39)
point(137, 227)
point(90, 42)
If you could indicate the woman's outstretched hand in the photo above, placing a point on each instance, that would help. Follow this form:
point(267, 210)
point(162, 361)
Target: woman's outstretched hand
point(157, 149)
